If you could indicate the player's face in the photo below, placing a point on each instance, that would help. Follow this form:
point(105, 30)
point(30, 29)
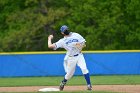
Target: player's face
point(62, 33)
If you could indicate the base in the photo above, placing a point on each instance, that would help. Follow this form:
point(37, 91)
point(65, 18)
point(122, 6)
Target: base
point(48, 89)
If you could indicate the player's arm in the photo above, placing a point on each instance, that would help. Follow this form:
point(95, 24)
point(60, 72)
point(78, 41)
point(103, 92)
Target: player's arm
point(82, 42)
point(50, 44)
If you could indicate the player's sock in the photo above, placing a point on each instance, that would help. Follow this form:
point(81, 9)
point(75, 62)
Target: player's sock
point(64, 80)
point(87, 77)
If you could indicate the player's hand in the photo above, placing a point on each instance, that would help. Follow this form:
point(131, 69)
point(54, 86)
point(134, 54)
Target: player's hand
point(50, 37)
point(80, 45)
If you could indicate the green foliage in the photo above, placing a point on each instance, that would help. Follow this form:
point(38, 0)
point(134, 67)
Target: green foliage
point(24, 27)
point(106, 24)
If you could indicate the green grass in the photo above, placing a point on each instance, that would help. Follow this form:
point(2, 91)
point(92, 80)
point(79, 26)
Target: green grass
point(76, 80)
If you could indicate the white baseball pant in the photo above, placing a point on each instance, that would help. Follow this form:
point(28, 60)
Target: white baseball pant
point(70, 65)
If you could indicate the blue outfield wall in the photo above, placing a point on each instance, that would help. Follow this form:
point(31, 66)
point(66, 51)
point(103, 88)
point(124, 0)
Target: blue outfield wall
point(51, 64)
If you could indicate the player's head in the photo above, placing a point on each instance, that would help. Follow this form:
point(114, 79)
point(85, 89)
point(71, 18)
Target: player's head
point(64, 30)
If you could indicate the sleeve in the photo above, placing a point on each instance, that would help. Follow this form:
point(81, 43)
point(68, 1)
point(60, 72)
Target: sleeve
point(81, 39)
point(58, 44)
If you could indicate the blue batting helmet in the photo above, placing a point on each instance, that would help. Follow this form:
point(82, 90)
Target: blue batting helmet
point(63, 28)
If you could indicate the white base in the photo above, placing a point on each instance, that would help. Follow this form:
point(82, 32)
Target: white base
point(48, 89)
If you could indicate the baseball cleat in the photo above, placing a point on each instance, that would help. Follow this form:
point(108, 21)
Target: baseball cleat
point(62, 84)
point(89, 87)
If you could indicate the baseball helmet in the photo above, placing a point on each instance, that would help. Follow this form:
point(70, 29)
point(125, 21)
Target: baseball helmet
point(63, 28)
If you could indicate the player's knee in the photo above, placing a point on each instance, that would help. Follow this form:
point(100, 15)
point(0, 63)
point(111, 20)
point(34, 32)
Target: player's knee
point(85, 71)
point(68, 76)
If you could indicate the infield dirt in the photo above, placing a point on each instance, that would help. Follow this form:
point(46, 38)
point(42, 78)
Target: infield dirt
point(111, 88)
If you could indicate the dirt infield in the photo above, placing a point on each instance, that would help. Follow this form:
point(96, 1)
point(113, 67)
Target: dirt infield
point(113, 88)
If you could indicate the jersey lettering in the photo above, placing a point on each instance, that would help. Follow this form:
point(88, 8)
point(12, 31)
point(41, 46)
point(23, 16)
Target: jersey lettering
point(73, 40)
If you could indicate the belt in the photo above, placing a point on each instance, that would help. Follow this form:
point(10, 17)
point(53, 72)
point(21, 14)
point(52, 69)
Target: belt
point(74, 55)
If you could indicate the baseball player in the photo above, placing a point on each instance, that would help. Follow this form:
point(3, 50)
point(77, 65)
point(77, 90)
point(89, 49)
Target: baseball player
point(73, 43)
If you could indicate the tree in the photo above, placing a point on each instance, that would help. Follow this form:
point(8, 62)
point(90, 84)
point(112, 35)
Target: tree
point(105, 24)
point(25, 23)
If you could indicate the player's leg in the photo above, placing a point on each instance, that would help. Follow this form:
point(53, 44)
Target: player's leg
point(82, 64)
point(64, 81)
point(65, 65)
point(66, 70)
point(69, 69)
